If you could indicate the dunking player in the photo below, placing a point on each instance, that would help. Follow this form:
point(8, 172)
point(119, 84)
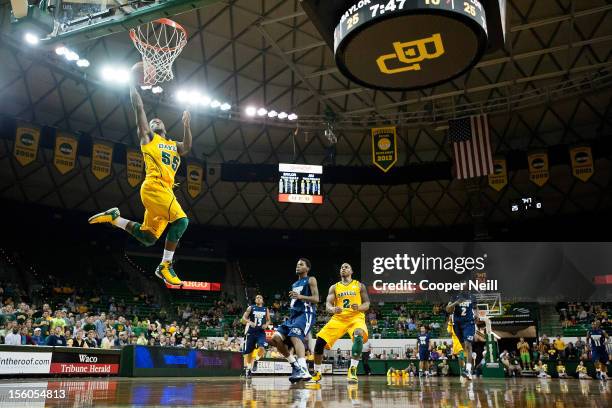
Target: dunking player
point(347, 300)
point(596, 339)
point(254, 317)
point(304, 295)
point(162, 160)
point(464, 325)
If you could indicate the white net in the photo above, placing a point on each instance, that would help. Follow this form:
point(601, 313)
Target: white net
point(159, 42)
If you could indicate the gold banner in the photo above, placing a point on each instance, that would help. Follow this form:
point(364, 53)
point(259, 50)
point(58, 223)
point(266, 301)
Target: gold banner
point(194, 179)
point(384, 147)
point(26, 144)
point(101, 160)
point(135, 167)
point(582, 162)
point(538, 168)
point(65, 153)
point(499, 178)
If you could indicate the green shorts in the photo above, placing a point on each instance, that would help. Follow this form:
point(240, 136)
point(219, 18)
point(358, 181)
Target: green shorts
point(525, 358)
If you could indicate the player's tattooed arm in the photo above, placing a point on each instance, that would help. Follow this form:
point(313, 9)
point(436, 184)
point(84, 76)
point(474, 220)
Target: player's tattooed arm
point(142, 125)
point(185, 146)
point(245, 316)
point(365, 300)
point(331, 300)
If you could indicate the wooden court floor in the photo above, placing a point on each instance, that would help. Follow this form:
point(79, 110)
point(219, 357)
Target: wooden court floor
point(278, 392)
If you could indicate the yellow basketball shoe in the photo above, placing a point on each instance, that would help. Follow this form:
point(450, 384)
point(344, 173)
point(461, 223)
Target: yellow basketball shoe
point(166, 272)
point(351, 375)
point(106, 216)
point(315, 378)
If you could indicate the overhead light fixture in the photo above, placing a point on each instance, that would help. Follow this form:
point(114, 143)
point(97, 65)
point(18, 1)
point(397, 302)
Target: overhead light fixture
point(226, 106)
point(157, 89)
point(205, 100)
point(251, 111)
point(181, 96)
point(71, 56)
point(31, 38)
point(262, 111)
point(215, 104)
point(61, 50)
point(282, 115)
point(83, 63)
point(272, 114)
point(116, 75)
point(292, 116)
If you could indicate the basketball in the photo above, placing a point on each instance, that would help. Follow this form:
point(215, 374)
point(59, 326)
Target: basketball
point(138, 74)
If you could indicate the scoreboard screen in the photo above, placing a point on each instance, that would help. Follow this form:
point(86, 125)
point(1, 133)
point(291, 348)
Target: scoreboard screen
point(300, 183)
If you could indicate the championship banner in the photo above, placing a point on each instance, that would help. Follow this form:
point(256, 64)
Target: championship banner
point(194, 179)
point(538, 168)
point(135, 167)
point(582, 162)
point(384, 147)
point(101, 160)
point(64, 155)
point(499, 178)
point(26, 144)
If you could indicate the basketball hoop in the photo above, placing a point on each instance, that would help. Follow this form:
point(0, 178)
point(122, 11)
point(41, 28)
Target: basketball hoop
point(159, 42)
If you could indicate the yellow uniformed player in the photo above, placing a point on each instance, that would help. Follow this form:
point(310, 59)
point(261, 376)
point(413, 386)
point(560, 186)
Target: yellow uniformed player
point(457, 346)
point(162, 160)
point(347, 300)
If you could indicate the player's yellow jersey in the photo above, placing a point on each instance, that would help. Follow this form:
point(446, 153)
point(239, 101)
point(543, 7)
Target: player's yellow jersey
point(161, 160)
point(347, 295)
point(457, 346)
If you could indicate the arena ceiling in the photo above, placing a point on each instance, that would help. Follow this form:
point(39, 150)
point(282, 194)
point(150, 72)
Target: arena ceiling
point(550, 86)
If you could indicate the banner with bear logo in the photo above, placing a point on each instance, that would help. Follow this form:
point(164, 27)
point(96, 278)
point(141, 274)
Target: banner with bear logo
point(538, 168)
point(194, 179)
point(499, 178)
point(582, 162)
point(27, 139)
point(384, 147)
point(64, 155)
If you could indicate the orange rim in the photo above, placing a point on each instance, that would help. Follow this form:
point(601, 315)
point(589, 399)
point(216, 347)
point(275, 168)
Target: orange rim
point(167, 22)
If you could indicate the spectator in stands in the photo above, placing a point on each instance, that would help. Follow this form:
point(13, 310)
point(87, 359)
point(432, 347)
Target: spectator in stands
point(44, 323)
point(100, 323)
point(26, 339)
point(37, 338)
point(58, 320)
point(13, 337)
point(580, 345)
point(172, 342)
point(523, 349)
point(57, 338)
point(89, 324)
point(91, 339)
point(142, 340)
point(559, 346)
point(108, 341)
point(122, 340)
point(78, 341)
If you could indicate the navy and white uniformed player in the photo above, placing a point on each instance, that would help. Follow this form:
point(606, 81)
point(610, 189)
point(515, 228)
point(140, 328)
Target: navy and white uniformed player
point(424, 357)
point(256, 317)
point(462, 307)
point(596, 339)
point(304, 296)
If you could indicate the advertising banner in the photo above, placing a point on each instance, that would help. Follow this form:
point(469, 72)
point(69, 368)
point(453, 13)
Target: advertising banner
point(84, 363)
point(193, 285)
point(282, 367)
point(15, 362)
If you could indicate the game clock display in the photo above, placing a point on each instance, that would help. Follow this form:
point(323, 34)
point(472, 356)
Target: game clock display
point(300, 183)
point(525, 204)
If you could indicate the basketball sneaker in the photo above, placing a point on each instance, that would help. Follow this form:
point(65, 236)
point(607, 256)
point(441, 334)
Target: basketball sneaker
point(351, 375)
point(315, 378)
point(296, 373)
point(106, 216)
point(247, 373)
point(166, 272)
point(255, 366)
point(467, 374)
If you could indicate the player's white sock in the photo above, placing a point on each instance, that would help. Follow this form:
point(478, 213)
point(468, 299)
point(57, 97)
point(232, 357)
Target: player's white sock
point(168, 255)
point(121, 222)
point(468, 367)
point(302, 363)
point(318, 368)
point(354, 363)
point(291, 359)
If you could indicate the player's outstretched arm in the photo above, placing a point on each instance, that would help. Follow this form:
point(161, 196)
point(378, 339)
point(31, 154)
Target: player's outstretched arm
point(450, 307)
point(330, 301)
point(185, 146)
point(268, 319)
point(245, 316)
point(144, 131)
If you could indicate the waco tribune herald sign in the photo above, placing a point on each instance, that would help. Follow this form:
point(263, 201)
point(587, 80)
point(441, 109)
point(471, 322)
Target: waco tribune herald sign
point(58, 361)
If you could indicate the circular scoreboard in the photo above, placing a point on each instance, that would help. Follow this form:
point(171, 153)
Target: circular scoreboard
point(409, 44)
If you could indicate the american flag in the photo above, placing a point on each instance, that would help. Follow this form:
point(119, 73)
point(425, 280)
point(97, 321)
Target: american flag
point(471, 142)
